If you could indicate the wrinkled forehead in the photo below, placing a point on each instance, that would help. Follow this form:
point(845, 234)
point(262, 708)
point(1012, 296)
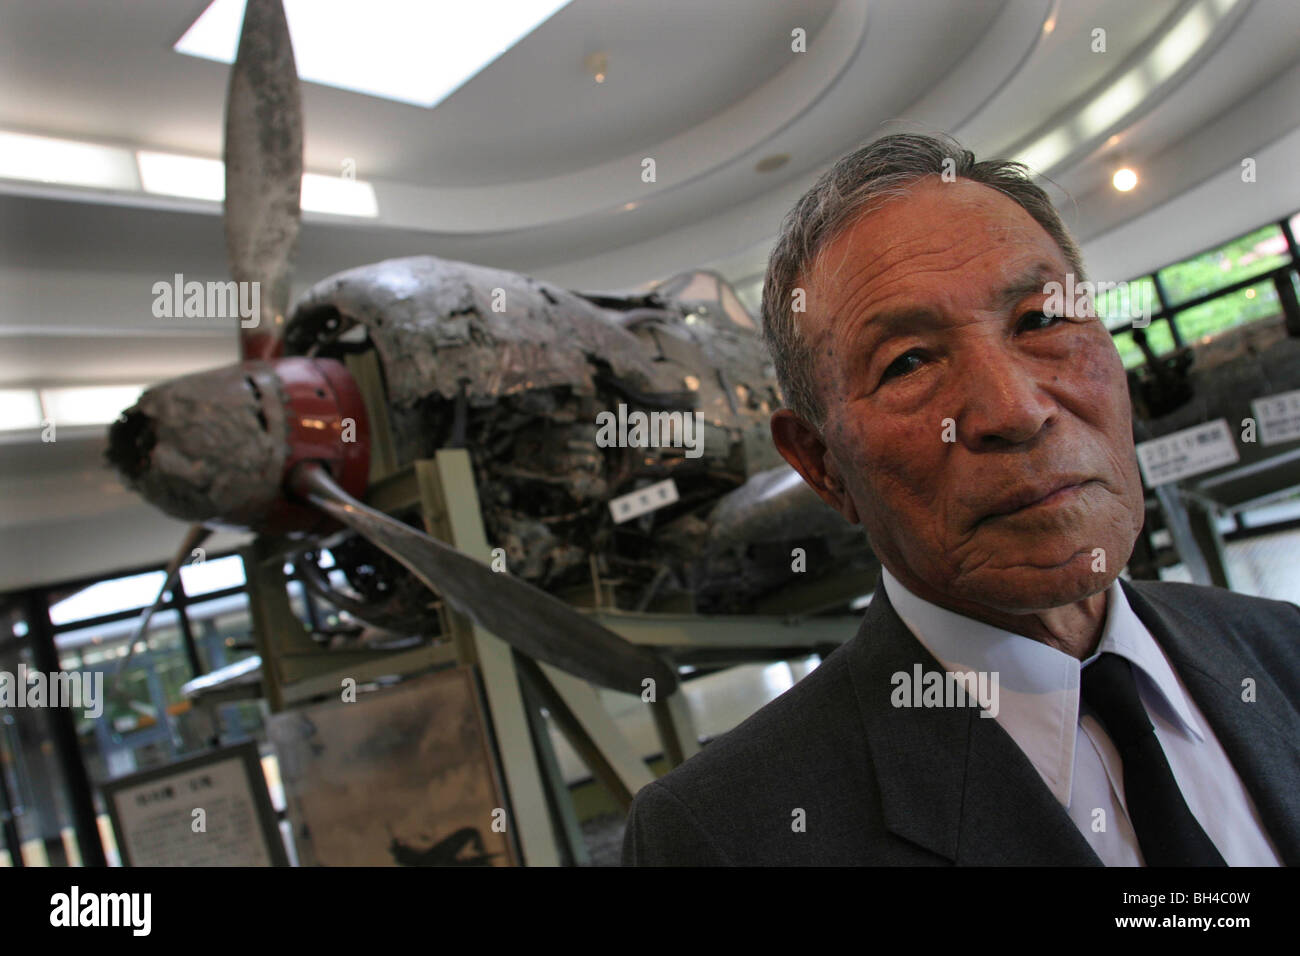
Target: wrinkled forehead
point(960, 241)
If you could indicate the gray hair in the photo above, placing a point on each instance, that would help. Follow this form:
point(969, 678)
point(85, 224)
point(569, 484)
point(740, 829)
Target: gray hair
point(852, 187)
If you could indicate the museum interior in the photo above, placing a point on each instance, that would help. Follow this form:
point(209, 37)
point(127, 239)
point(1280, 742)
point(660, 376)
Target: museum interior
point(359, 357)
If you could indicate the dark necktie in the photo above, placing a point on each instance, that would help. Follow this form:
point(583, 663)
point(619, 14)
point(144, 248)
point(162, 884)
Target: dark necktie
point(1166, 830)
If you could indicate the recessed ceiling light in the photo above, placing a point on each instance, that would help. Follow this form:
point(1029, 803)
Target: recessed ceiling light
point(67, 162)
point(88, 404)
point(197, 177)
point(769, 163)
point(1121, 98)
point(338, 196)
point(193, 177)
point(1124, 179)
point(19, 408)
point(411, 51)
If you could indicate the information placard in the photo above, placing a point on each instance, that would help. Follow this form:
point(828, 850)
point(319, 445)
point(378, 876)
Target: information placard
point(1188, 452)
point(209, 810)
point(1278, 416)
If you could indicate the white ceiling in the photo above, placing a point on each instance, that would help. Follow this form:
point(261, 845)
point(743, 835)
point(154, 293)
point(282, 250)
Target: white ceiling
point(533, 166)
point(532, 114)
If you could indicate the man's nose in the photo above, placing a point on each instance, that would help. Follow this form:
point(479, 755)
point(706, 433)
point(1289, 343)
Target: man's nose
point(1001, 401)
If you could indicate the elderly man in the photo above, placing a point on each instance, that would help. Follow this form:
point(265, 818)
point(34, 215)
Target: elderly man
point(984, 443)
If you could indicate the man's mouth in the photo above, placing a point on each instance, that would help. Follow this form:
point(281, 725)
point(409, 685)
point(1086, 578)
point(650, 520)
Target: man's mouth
point(1050, 494)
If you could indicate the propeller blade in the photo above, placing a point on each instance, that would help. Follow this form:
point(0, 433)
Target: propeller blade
point(526, 617)
point(263, 157)
point(194, 537)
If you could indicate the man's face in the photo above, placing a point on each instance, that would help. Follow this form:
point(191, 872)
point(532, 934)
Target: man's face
point(956, 410)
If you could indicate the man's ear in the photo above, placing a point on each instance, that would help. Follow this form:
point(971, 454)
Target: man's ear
point(801, 445)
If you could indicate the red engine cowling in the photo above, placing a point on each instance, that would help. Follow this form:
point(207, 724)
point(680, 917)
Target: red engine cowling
point(218, 447)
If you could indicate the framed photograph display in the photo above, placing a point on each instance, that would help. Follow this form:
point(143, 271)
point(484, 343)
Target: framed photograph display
point(399, 776)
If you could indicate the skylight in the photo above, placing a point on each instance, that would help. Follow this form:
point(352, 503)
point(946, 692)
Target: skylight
point(411, 51)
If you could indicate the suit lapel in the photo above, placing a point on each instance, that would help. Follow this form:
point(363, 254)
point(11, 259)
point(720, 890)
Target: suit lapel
point(1260, 738)
point(951, 781)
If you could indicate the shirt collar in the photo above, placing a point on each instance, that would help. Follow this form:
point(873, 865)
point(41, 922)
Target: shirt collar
point(1127, 636)
point(1038, 685)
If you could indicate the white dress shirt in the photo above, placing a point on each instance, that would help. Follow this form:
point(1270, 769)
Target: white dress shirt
point(1038, 706)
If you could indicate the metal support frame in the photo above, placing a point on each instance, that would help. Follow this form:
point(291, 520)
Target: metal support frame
point(756, 633)
point(187, 633)
point(577, 710)
point(1203, 517)
point(1178, 521)
point(294, 668)
point(567, 829)
point(672, 717)
point(449, 502)
point(544, 823)
point(1287, 298)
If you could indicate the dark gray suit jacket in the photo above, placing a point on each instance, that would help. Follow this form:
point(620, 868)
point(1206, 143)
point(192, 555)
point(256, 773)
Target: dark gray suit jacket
point(881, 785)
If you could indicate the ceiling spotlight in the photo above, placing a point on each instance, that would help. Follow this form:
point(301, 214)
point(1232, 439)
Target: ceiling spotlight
point(598, 66)
point(1124, 179)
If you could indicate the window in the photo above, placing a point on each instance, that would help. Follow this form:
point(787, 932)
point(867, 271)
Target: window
point(1119, 306)
point(1159, 337)
point(1228, 311)
point(133, 593)
point(204, 577)
point(1257, 252)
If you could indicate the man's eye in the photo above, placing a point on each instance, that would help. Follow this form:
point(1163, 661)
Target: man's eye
point(905, 363)
point(1037, 320)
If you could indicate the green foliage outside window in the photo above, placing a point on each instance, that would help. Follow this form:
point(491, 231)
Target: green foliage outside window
point(1118, 306)
point(1259, 251)
point(1229, 311)
point(1256, 252)
point(1159, 338)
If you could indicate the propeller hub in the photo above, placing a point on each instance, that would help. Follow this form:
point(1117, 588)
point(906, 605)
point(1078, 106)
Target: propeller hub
point(216, 447)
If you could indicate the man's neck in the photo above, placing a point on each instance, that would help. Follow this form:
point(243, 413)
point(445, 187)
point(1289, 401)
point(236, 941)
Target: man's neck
point(1073, 629)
